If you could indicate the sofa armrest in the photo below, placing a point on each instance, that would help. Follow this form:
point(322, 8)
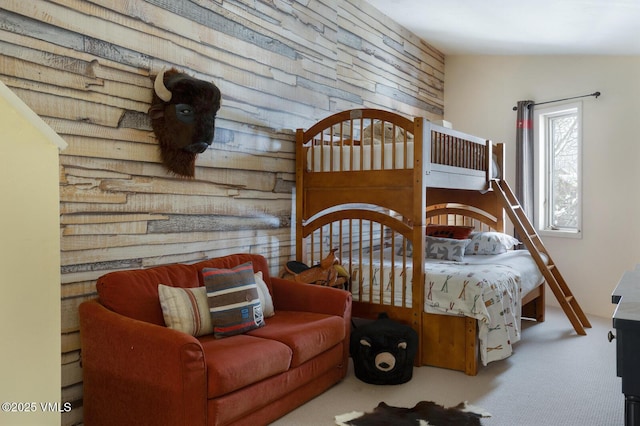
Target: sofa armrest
point(135, 372)
point(294, 296)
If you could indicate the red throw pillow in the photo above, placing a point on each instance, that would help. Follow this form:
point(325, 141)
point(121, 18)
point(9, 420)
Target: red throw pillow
point(449, 231)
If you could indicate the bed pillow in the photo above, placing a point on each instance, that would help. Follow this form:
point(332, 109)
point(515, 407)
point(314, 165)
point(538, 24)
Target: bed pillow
point(233, 298)
point(265, 297)
point(490, 243)
point(185, 309)
point(445, 248)
point(400, 247)
point(449, 231)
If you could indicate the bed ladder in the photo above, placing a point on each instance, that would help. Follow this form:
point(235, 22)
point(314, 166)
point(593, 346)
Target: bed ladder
point(533, 243)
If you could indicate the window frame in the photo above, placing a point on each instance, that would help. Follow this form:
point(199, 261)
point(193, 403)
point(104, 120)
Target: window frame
point(541, 171)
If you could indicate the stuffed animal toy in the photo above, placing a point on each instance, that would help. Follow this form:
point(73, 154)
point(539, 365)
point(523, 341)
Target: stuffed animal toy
point(390, 132)
point(383, 351)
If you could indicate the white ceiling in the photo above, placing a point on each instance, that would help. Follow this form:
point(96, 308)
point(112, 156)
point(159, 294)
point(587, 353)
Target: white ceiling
point(519, 27)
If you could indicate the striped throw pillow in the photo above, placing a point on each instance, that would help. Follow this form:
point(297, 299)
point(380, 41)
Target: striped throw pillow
point(186, 309)
point(234, 303)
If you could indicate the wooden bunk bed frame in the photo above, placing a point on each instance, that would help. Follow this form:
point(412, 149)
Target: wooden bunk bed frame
point(397, 178)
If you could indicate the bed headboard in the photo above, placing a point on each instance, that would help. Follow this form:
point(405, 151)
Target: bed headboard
point(459, 215)
point(482, 210)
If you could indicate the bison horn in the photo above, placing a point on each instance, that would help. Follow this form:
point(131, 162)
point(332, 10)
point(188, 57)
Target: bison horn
point(160, 89)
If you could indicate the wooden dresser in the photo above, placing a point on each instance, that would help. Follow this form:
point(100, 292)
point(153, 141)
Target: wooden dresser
point(626, 321)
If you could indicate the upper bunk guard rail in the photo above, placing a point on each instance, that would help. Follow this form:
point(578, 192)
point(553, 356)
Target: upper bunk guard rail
point(336, 154)
point(452, 148)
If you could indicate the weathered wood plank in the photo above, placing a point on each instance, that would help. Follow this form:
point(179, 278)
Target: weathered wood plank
point(86, 219)
point(28, 63)
point(216, 156)
point(165, 186)
point(52, 105)
point(158, 250)
point(83, 79)
point(126, 228)
point(98, 202)
point(71, 374)
point(71, 172)
point(71, 194)
point(77, 128)
point(236, 232)
point(69, 308)
point(256, 180)
point(90, 97)
point(78, 289)
point(72, 393)
point(58, 55)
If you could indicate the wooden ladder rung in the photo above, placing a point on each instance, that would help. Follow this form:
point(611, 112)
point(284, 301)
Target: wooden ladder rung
point(569, 299)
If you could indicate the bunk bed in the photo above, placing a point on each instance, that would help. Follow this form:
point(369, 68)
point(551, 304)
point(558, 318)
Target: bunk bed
point(371, 184)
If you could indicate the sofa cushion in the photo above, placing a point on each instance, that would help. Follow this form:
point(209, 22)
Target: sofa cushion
point(134, 293)
point(239, 361)
point(186, 309)
point(233, 300)
point(307, 333)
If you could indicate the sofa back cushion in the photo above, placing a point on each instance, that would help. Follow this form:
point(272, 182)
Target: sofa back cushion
point(134, 293)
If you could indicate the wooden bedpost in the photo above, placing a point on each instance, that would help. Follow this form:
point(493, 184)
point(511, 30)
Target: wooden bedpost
point(299, 196)
point(499, 151)
point(422, 155)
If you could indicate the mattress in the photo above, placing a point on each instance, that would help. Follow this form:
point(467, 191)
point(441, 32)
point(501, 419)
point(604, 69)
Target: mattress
point(486, 287)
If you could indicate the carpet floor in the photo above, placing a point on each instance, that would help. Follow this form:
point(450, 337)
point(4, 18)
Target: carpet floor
point(554, 378)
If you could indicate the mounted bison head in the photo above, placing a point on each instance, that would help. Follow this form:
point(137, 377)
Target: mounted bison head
point(183, 113)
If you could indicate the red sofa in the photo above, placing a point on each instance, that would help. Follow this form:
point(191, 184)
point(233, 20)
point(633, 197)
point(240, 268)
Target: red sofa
point(137, 371)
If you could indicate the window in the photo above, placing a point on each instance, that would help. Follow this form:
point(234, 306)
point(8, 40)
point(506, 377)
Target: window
point(558, 197)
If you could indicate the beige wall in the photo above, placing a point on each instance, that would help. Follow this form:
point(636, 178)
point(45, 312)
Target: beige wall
point(29, 265)
point(480, 92)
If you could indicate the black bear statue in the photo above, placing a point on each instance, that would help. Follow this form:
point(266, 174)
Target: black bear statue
point(383, 351)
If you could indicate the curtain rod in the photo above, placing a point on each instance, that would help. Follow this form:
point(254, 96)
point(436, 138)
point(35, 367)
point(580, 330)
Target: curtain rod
point(596, 94)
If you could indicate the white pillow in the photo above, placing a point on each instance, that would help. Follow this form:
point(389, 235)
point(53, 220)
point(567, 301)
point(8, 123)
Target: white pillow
point(186, 309)
point(445, 248)
point(265, 297)
point(490, 243)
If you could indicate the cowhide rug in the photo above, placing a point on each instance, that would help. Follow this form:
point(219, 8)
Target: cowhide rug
point(425, 413)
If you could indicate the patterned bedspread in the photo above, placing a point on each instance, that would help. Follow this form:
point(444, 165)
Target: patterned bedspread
point(488, 292)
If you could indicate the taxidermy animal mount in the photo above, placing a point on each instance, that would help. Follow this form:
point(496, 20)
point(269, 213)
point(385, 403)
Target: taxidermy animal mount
point(183, 113)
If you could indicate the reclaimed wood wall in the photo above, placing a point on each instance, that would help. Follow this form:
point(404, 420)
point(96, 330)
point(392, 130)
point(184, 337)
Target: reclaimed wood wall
point(86, 68)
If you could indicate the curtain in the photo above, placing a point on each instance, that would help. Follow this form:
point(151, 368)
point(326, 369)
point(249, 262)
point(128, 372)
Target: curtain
point(524, 157)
